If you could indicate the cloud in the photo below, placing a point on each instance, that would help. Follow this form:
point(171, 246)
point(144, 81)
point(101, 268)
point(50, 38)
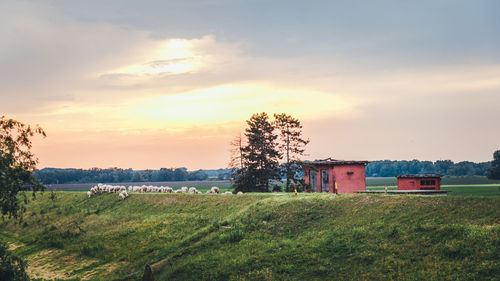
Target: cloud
point(96, 83)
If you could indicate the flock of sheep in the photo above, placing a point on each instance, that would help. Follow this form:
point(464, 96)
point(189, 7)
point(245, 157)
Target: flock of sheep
point(122, 190)
point(102, 188)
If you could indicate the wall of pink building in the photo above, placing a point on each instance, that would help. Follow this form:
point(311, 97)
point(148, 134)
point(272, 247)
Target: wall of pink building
point(350, 178)
point(414, 183)
point(346, 182)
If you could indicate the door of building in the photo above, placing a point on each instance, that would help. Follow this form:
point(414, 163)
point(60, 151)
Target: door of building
point(324, 180)
point(313, 181)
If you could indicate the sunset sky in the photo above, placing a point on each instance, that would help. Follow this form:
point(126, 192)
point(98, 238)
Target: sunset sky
point(150, 84)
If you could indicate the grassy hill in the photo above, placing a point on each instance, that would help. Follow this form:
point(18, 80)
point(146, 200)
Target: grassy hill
point(259, 237)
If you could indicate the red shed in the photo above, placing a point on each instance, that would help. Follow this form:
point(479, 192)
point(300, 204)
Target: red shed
point(323, 174)
point(419, 182)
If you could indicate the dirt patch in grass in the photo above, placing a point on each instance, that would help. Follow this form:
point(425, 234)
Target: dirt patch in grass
point(13, 246)
point(40, 267)
point(52, 264)
point(102, 270)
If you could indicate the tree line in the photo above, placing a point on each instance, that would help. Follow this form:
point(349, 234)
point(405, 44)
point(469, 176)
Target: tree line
point(59, 176)
point(388, 168)
point(379, 168)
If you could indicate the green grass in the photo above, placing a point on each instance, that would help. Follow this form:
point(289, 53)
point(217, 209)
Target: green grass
point(446, 180)
point(473, 190)
point(459, 190)
point(261, 237)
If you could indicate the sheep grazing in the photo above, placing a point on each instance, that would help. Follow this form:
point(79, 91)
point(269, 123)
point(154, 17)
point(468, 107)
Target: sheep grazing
point(124, 191)
point(228, 193)
point(123, 195)
point(239, 193)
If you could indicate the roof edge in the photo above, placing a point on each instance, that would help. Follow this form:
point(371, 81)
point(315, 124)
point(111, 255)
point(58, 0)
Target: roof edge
point(330, 161)
point(420, 176)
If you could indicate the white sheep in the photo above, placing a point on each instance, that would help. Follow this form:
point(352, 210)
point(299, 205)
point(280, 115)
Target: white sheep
point(192, 190)
point(123, 195)
point(214, 189)
point(239, 193)
point(228, 193)
point(89, 194)
point(169, 189)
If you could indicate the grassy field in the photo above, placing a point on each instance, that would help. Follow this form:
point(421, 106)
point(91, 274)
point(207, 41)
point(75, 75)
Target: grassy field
point(260, 237)
point(446, 180)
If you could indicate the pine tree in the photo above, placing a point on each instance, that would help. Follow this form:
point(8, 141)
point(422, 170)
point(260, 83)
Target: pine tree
point(260, 156)
point(291, 145)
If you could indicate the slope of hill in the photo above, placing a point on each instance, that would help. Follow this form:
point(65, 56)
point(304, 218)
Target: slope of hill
point(259, 237)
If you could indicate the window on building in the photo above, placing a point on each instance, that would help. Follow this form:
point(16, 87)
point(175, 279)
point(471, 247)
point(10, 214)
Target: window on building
point(427, 182)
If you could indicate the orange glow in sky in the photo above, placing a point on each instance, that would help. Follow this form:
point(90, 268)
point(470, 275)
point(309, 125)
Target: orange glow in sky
point(150, 91)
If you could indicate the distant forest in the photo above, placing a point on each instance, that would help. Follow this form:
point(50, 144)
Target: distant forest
point(96, 175)
point(387, 168)
point(383, 168)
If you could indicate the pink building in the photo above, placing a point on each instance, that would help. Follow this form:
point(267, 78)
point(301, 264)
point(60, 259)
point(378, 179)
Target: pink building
point(322, 175)
point(419, 182)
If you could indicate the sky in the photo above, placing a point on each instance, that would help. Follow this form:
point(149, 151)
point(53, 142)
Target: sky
point(151, 84)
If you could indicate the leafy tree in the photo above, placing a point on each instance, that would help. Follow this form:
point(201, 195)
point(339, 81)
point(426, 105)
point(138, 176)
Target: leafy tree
point(17, 163)
point(291, 146)
point(443, 166)
point(236, 159)
point(260, 155)
point(494, 171)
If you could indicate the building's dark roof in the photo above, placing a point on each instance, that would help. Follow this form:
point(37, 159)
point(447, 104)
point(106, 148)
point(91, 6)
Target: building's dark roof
point(330, 161)
point(420, 176)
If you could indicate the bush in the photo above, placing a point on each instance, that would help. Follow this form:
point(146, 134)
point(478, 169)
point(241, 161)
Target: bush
point(11, 267)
